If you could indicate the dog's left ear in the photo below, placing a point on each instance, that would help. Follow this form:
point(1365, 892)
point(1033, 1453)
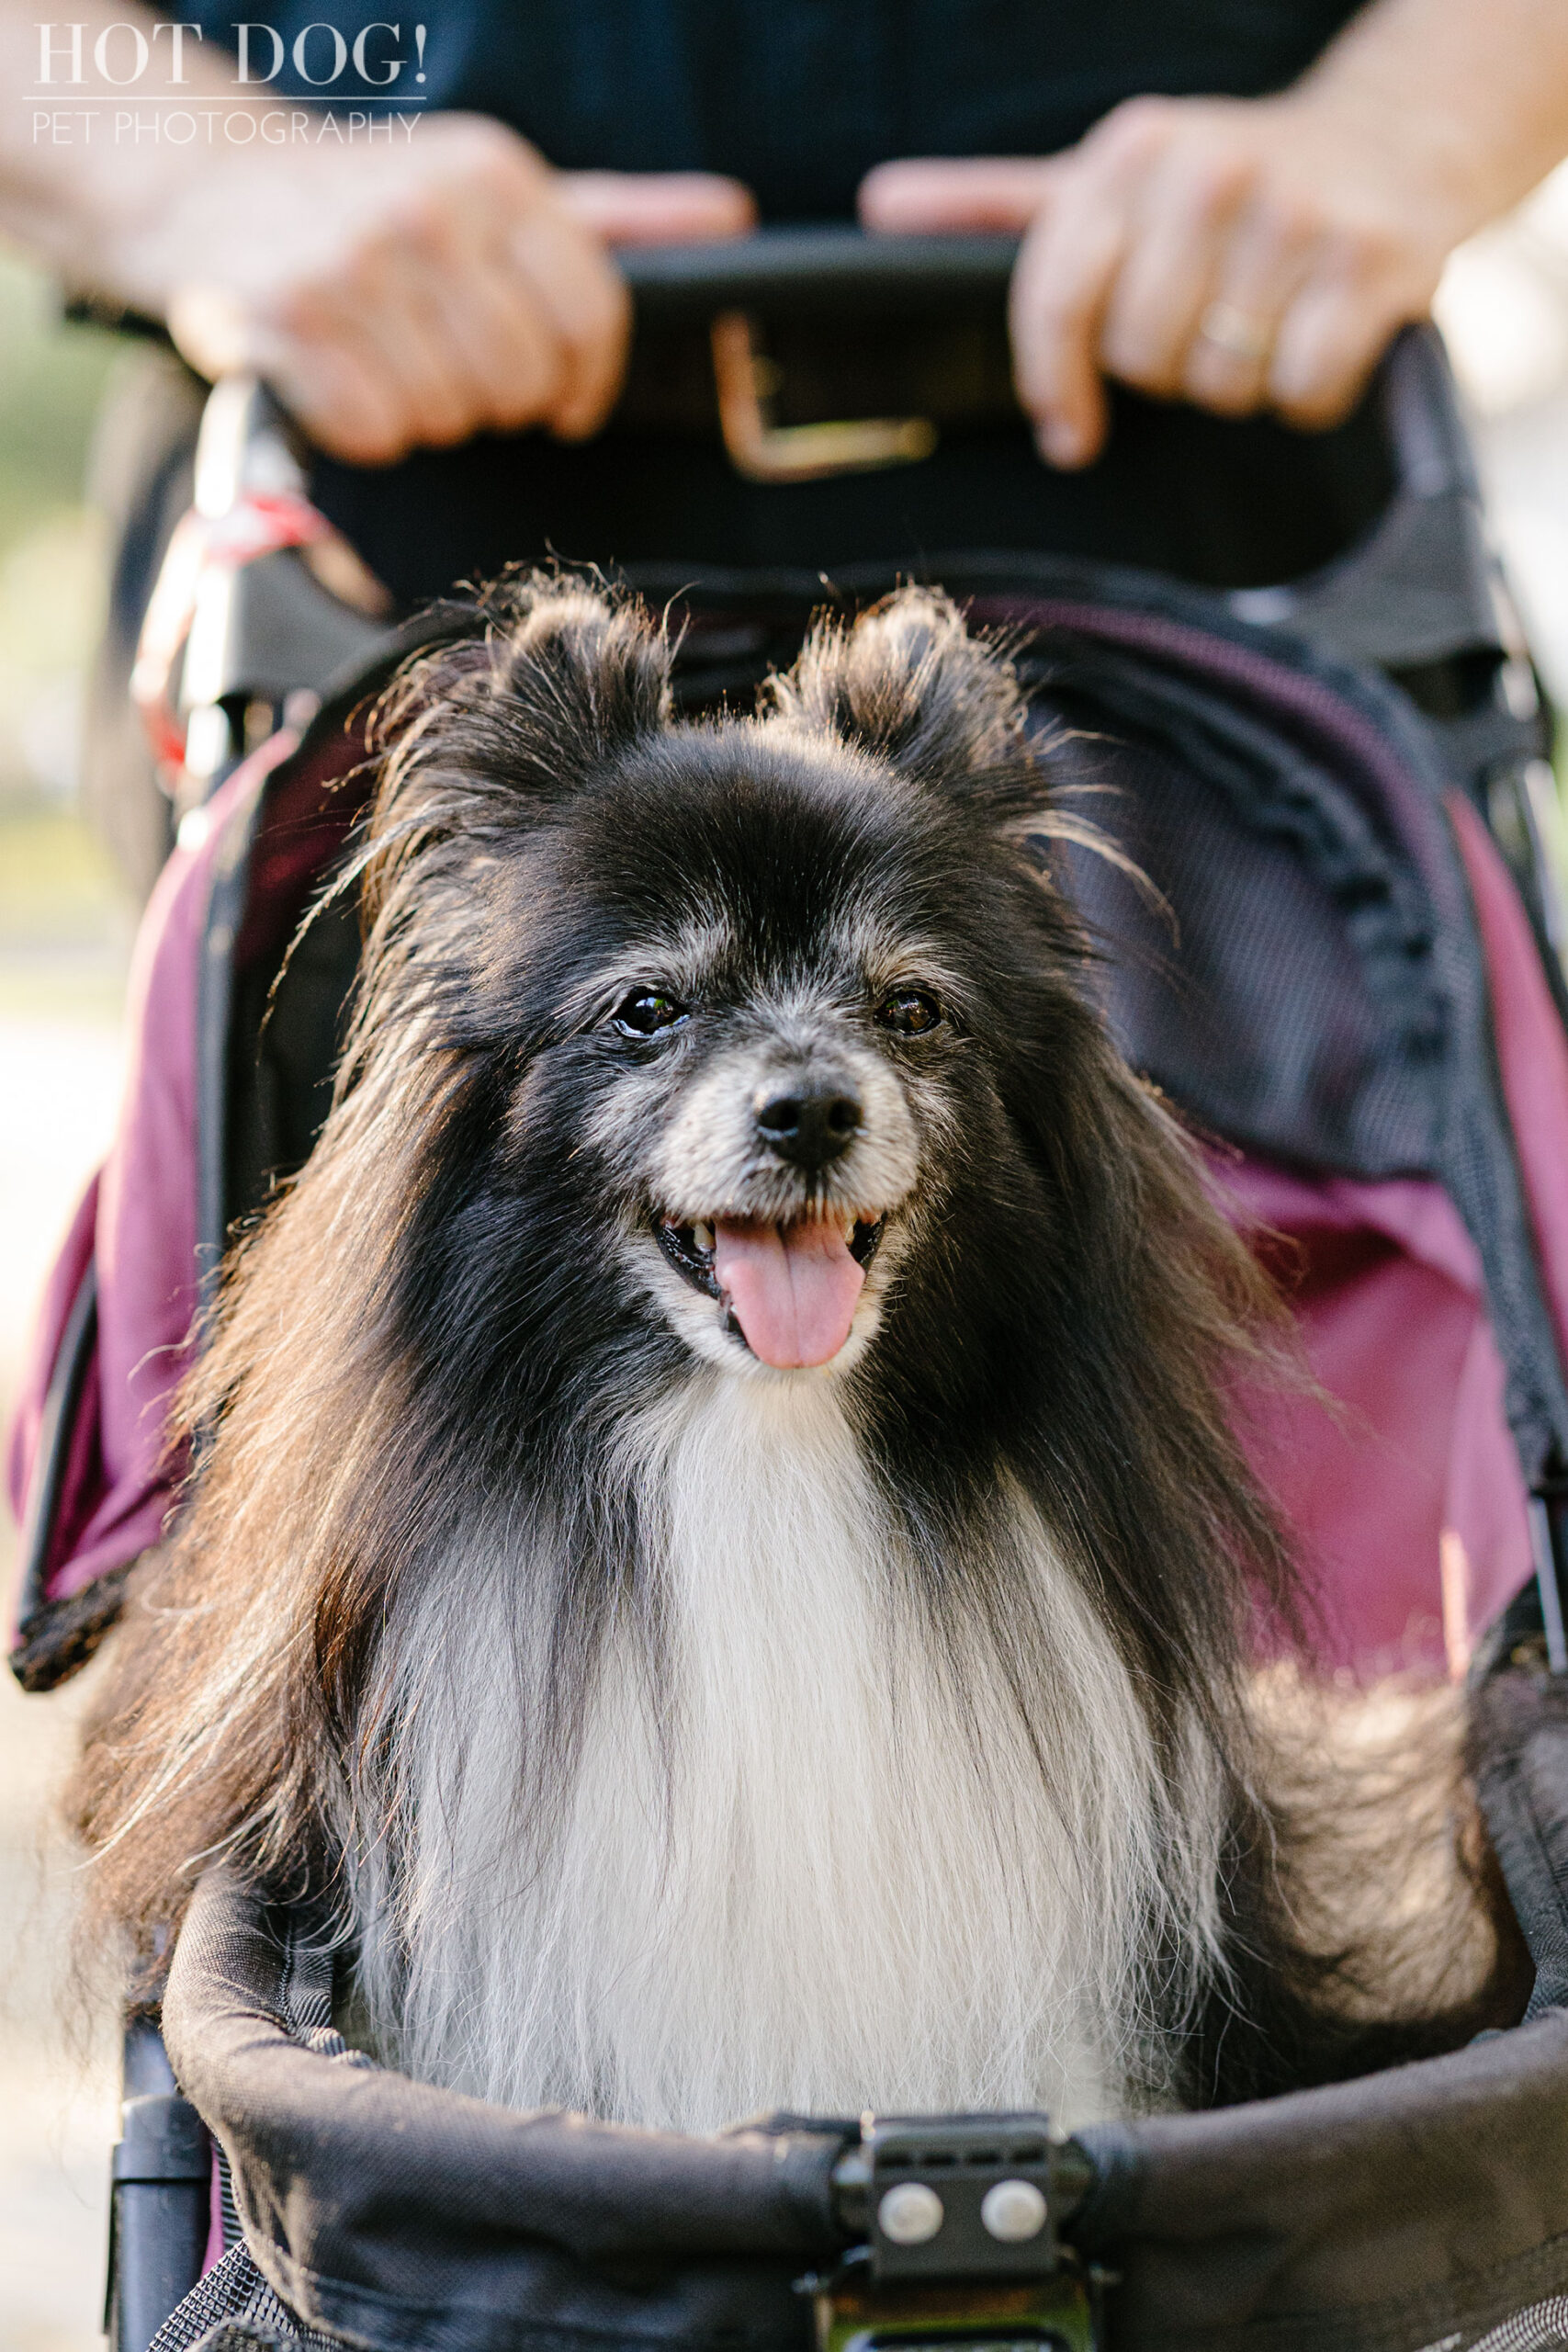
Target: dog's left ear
point(908, 682)
point(543, 679)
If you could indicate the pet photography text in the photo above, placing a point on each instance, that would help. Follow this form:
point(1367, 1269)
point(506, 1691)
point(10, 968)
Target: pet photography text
point(127, 84)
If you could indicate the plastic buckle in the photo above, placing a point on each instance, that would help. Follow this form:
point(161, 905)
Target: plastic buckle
point(764, 451)
point(960, 2216)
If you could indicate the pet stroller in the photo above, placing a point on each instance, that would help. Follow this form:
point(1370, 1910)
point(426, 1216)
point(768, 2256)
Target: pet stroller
point(1339, 787)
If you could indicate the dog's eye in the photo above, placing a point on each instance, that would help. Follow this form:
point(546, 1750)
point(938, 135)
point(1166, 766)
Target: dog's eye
point(908, 1013)
point(646, 1012)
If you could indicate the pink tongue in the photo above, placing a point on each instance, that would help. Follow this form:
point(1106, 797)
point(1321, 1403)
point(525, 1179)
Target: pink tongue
point(793, 1288)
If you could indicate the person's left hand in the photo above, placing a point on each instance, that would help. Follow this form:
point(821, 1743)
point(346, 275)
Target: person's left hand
point(1243, 253)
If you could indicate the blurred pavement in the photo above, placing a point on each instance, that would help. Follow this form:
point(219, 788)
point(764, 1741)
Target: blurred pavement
point(59, 1080)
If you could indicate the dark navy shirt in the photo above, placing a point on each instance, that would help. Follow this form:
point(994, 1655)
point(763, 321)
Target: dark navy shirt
point(799, 99)
point(796, 97)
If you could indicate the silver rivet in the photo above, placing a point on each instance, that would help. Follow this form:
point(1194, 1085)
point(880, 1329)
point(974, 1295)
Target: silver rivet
point(1012, 2210)
point(911, 2213)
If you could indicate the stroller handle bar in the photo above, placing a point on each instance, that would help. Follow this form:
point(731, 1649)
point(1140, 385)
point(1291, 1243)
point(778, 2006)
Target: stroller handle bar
point(1422, 585)
point(825, 268)
point(1419, 588)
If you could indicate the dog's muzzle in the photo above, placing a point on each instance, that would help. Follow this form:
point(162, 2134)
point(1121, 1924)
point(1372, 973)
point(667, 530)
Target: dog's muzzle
point(788, 1290)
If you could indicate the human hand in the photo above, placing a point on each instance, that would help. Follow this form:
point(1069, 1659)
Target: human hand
point(410, 295)
point(1242, 254)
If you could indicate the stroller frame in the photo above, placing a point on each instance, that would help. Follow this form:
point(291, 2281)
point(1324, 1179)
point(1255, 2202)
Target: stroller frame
point(1421, 599)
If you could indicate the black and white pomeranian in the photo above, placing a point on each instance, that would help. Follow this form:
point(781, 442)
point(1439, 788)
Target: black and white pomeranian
point(717, 1538)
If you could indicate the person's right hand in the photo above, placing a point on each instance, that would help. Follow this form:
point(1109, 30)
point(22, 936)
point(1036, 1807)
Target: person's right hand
point(410, 294)
point(1244, 254)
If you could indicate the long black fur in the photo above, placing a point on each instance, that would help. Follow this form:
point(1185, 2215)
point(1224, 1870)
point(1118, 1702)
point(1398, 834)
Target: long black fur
point(435, 1320)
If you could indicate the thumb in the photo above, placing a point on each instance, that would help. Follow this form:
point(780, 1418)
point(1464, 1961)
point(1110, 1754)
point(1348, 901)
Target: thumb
point(923, 195)
point(656, 207)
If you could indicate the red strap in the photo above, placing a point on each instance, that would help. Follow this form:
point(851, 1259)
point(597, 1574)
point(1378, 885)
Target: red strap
point(260, 524)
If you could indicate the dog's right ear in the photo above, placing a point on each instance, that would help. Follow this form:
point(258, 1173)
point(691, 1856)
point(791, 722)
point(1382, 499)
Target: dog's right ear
point(553, 677)
point(908, 682)
point(584, 675)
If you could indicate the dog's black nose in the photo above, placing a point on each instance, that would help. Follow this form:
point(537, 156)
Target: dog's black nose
point(809, 1125)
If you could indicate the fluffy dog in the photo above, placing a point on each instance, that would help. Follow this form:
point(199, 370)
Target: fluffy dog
point(718, 1539)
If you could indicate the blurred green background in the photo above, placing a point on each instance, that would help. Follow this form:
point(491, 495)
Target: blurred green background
point(62, 918)
point(65, 927)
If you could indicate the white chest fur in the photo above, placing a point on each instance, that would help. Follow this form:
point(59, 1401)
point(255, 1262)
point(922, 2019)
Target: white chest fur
point(810, 1853)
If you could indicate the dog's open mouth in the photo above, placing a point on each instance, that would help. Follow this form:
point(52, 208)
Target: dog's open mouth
point(790, 1290)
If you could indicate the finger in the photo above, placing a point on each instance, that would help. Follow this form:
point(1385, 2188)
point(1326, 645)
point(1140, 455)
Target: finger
point(392, 298)
point(503, 337)
point(508, 334)
point(376, 308)
point(1060, 286)
point(1330, 340)
point(1067, 271)
point(213, 330)
point(1264, 265)
point(1183, 216)
point(510, 348)
point(656, 207)
point(341, 401)
point(339, 392)
point(921, 196)
point(1364, 283)
point(584, 299)
point(329, 373)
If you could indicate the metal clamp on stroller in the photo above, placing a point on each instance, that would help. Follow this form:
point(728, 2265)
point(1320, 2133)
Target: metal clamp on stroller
point(1339, 786)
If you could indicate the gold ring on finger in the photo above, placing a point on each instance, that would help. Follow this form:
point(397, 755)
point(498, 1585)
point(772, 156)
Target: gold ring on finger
point(1231, 332)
